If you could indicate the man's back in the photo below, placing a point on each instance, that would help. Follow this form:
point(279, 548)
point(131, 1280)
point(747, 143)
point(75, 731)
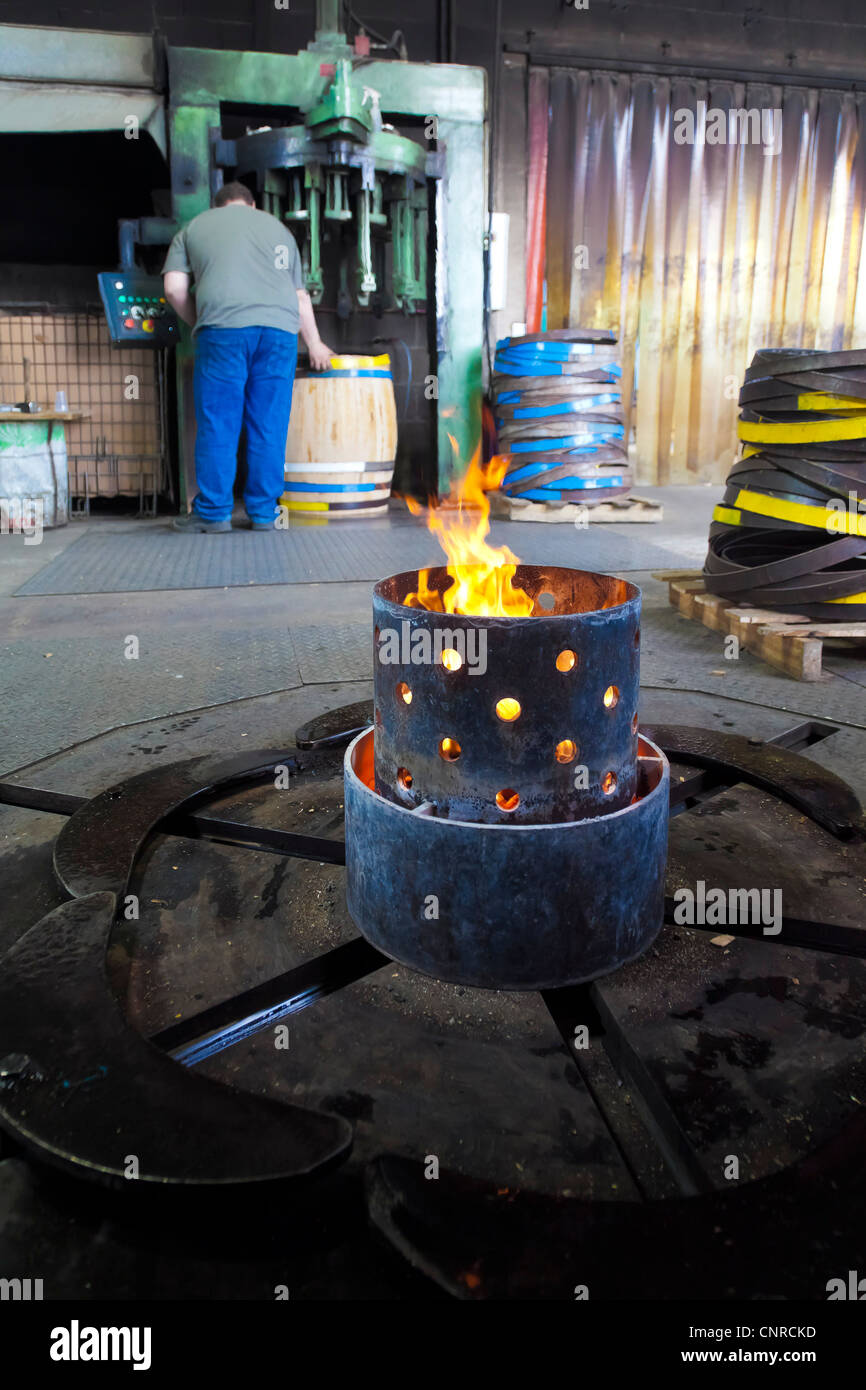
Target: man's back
point(246, 266)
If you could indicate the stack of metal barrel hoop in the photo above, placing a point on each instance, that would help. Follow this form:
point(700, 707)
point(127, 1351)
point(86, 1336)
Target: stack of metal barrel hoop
point(790, 532)
point(557, 400)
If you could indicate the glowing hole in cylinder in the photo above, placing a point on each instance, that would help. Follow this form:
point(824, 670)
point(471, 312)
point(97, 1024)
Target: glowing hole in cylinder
point(507, 800)
point(566, 751)
point(449, 749)
point(608, 783)
point(508, 709)
point(404, 778)
point(451, 660)
point(405, 693)
point(611, 696)
point(566, 661)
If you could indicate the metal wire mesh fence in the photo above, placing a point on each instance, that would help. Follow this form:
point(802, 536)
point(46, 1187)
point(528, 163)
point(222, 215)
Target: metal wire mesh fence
point(118, 446)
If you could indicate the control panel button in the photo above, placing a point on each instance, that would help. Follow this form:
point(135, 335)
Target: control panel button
point(147, 325)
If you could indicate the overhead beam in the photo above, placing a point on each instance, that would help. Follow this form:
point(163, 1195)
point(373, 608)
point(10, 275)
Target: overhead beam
point(84, 57)
point(206, 77)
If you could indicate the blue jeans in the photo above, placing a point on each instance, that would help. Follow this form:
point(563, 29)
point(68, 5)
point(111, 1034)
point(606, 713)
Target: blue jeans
point(242, 377)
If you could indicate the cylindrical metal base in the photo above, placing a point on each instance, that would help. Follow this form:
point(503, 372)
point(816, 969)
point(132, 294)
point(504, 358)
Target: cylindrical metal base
point(506, 906)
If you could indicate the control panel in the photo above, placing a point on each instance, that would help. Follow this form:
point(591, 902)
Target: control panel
point(136, 309)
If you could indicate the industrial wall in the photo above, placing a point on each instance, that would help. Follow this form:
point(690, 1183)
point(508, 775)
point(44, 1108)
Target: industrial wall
point(791, 36)
point(806, 46)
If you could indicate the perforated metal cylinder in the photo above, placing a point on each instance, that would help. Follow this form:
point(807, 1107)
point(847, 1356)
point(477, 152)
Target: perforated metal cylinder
point(534, 720)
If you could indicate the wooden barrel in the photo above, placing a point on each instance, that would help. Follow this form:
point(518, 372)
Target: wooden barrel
point(342, 439)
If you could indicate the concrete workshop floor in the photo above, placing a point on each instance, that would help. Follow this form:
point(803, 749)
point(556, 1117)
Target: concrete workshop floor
point(64, 677)
point(758, 1041)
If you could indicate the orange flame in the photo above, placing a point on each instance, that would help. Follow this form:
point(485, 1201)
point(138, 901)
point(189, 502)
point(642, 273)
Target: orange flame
point(483, 574)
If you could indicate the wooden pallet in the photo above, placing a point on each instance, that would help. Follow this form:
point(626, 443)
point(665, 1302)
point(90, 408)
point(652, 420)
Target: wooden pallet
point(619, 510)
point(789, 641)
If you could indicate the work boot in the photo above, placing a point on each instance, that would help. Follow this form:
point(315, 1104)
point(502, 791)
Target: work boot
point(194, 522)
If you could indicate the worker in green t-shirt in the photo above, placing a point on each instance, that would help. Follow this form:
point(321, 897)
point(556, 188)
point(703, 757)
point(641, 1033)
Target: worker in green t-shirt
point(246, 309)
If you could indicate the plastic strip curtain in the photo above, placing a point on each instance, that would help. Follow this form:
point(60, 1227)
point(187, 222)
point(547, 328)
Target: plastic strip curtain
point(536, 197)
point(697, 253)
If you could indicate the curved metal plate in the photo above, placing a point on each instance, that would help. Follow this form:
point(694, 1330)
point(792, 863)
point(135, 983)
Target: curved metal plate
point(807, 787)
point(337, 727)
point(96, 849)
point(479, 1242)
point(85, 1092)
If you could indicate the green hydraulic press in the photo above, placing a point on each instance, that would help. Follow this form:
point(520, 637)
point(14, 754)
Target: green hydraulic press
point(345, 162)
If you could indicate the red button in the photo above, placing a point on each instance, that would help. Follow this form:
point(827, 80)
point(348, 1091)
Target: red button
point(129, 323)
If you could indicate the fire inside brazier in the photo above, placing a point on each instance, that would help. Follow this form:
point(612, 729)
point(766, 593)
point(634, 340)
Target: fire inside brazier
point(506, 822)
